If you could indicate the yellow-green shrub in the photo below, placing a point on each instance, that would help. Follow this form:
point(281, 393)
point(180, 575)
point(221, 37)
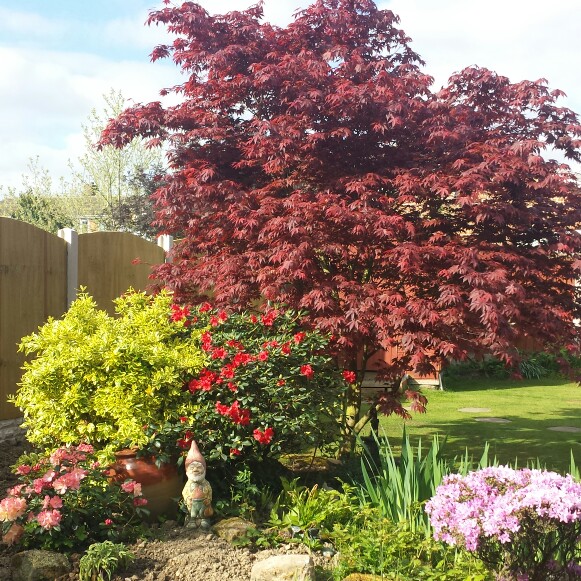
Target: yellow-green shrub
point(100, 379)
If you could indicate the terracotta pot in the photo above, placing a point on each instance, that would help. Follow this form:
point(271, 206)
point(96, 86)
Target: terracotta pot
point(161, 486)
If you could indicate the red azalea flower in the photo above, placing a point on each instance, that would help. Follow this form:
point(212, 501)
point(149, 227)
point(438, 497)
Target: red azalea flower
point(228, 371)
point(281, 382)
point(349, 376)
point(206, 341)
point(268, 319)
point(241, 359)
point(235, 452)
point(222, 315)
point(307, 371)
point(263, 356)
point(299, 337)
point(178, 313)
point(219, 353)
point(214, 321)
point(205, 307)
point(263, 437)
point(253, 319)
point(232, 386)
point(108, 522)
point(286, 348)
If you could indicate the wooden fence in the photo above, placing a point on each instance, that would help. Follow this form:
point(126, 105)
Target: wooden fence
point(39, 276)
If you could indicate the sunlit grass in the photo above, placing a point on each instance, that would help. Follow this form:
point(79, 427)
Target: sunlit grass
point(531, 407)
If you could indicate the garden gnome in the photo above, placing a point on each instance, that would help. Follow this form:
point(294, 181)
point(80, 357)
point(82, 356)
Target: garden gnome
point(197, 492)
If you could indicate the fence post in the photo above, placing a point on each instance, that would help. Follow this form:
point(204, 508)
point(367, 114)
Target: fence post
point(166, 242)
point(71, 237)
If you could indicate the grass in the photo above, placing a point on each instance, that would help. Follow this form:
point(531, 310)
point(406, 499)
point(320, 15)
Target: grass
point(532, 406)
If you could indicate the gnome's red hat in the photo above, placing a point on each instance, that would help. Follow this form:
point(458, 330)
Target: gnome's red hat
point(194, 455)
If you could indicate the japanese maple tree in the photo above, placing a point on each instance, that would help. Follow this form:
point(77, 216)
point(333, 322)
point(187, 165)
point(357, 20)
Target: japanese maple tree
point(312, 165)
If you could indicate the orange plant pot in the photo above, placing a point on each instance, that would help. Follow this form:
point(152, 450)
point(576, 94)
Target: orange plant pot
point(161, 486)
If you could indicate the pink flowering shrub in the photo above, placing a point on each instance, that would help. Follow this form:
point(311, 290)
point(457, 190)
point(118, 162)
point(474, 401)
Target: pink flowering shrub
point(65, 501)
point(267, 384)
point(525, 524)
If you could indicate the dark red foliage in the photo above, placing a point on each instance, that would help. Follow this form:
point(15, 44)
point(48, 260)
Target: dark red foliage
point(313, 165)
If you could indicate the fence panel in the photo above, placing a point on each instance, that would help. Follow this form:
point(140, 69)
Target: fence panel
point(32, 288)
point(107, 264)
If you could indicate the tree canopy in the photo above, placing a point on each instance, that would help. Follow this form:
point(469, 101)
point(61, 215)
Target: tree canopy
point(314, 166)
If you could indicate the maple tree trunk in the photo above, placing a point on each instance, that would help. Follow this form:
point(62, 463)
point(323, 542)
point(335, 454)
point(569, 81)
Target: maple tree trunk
point(351, 412)
point(351, 421)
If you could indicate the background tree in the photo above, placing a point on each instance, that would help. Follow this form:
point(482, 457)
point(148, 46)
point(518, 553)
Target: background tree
point(120, 179)
point(37, 203)
point(313, 166)
point(135, 212)
point(41, 211)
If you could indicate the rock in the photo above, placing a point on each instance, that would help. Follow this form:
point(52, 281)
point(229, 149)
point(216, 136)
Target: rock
point(39, 566)
point(233, 528)
point(284, 568)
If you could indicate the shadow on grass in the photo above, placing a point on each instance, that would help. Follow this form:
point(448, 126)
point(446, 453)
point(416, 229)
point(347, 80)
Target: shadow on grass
point(455, 384)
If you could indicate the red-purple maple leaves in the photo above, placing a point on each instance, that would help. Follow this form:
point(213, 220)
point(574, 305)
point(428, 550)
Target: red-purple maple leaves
point(313, 165)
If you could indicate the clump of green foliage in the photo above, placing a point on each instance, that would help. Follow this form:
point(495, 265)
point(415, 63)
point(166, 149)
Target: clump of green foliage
point(100, 379)
point(102, 560)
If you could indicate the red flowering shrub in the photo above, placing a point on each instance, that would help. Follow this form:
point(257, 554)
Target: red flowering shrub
point(267, 385)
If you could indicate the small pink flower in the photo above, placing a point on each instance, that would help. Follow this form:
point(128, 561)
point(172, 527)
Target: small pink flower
point(48, 519)
point(139, 501)
point(24, 469)
point(11, 508)
point(56, 502)
point(108, 521)
point(128, 486)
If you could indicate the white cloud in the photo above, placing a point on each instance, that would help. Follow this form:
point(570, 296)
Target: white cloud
point(27, 23)
point(45, 96)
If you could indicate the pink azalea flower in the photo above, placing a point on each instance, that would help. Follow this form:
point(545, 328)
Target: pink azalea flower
point(48, 519)
point(11, 508)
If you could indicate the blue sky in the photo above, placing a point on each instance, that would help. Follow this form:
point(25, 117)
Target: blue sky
point(58, 57)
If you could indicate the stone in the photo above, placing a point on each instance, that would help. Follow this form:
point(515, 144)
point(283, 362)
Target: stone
point(492, 420)
point(571, 429)
point(284, 568)
point(37, 565)
point(473, 410)
point(233, 528)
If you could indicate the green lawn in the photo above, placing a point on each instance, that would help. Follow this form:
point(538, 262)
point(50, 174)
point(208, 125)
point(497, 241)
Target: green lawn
point(532, 406)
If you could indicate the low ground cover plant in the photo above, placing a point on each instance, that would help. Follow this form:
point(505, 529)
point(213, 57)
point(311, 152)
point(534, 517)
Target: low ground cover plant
point(65, 501)
point(102, 560)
